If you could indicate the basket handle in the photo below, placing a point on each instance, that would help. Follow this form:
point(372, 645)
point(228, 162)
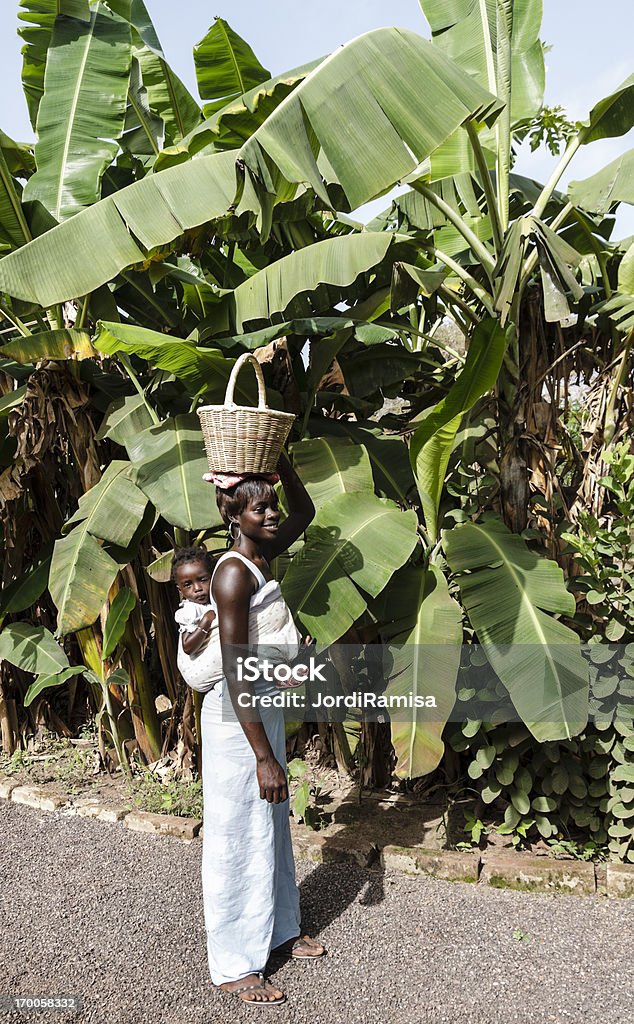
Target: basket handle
point(246, 357)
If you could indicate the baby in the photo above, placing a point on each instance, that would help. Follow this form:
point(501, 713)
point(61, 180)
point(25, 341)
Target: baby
point(191, 571)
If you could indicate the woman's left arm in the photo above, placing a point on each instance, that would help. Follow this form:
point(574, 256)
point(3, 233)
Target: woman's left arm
point(301, 510)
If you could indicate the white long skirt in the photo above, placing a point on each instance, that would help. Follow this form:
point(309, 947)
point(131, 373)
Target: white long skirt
point(251, 901)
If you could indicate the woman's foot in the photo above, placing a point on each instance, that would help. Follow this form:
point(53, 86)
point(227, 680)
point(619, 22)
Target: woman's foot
point(254, 989)
point(302, 947)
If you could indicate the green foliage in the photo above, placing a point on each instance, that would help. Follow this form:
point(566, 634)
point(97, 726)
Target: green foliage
point(303, 801)
point(184, 799)
point(604, 551)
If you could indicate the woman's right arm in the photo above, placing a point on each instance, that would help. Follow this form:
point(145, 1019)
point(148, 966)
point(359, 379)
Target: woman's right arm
point(232, 590)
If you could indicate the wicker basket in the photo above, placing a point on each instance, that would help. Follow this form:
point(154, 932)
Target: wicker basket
point(239, 438)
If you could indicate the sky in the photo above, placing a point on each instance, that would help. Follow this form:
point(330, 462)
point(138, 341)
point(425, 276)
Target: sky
point(591, 55)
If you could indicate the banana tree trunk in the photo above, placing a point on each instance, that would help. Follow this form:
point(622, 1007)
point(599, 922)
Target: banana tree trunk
point(512, 448)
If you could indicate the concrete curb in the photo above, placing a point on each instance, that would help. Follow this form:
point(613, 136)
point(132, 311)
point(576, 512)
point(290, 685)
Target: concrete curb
point(520, 871)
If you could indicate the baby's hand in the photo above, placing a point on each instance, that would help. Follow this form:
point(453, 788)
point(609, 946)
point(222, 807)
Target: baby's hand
point(207, 619)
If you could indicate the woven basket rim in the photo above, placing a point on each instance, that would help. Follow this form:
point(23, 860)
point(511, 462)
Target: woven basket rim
point(246, 408)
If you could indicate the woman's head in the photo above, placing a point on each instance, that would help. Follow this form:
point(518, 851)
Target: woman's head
point(251, 504)
point(232, 503)
point(191, 572)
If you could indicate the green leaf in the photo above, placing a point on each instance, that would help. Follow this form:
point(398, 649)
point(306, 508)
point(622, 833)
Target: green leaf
point(467, 31)
point(433, 441)
point(154, 211)
point(544, 804)
point(226, 67)
point(329, 466)
point(167, 96)
point(120, 610)
point(354, 538)
point(32, 648)
point(113, 508)
point(425, 661)
point(388, 455)
point(81, 115)
point(37, 18)
point(601, 192)
point(23, 592)
point(62, 344)
point(485, 756)
point(81, 576)
point(124, 418)
point(44, 682)
point(520, 800)
point(611, 116)
point(508, 592)
point(169, 462)
point(197, 367)
point(359, 114)
point(281, 287)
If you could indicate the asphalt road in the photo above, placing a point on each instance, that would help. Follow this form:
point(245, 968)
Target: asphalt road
point(115, 917)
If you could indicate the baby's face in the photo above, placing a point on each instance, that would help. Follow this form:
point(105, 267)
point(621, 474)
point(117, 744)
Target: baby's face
point(193, 580)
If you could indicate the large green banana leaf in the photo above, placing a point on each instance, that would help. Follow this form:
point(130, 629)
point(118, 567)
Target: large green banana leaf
point(469, 32)
point(612, 116)
point(601, 192)
point(226, 67)
point(433, 441)
point(124, 418)
point(508, 592)
point(32, 648)
point(329, 466)
point(169, 462)
point(357, 539)
point(200, 369)
point(81, 115)
point(496, 41)
point(422, 660)
point(362, 107)
point(37, 18)
point(113, 508)
point(78, 256)
point(388, 455)
point(230, 127)
point(373, 83)
point(82, 571)
point(334, 262)
point(14, 230)
point(167, 96)
point(69, 343)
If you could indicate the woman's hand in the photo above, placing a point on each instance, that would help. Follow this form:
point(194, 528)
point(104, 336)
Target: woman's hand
point(272, 781)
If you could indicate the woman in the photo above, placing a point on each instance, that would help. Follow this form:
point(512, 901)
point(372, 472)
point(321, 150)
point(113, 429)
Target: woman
point(250, 896)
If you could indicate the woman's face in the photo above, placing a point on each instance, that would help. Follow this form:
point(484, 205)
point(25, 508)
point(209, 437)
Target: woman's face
point(260, 519)
point(193, 580)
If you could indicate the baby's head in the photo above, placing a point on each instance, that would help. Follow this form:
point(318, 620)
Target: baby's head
point(191, 572)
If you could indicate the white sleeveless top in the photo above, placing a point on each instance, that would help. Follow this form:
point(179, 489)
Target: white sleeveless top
point(271, 629)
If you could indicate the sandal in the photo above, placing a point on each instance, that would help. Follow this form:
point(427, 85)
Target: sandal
point(261, 986)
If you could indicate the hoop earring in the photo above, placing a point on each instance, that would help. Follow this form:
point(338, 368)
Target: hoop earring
point(234, 537)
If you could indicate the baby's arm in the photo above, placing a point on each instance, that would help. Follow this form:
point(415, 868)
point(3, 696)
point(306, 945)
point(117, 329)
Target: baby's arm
point(194, 642)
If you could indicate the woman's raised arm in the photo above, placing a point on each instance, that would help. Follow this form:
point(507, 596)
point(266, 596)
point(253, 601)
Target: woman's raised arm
point(301, 510)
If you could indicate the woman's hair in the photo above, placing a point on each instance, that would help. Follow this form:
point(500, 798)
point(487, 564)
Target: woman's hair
point(199, 554)
point(233, 501)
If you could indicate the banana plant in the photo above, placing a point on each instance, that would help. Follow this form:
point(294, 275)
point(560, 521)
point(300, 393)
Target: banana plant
point(192, 235)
